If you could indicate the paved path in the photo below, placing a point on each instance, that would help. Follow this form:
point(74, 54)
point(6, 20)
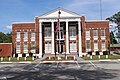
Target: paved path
point(88, 70)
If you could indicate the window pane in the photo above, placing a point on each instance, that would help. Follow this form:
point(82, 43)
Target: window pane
point(18, 35)
point(47, 32)
point(18, 46)
point(87, 44)
point(95, 32)
point(33, 34)
point(72, 31)
point(25, 46)
point(25, 35)
point(102, 32)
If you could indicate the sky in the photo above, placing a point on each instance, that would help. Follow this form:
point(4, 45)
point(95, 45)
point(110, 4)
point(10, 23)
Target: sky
point(26, 10)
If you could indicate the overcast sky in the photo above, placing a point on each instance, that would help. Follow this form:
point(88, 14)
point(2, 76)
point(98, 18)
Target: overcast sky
point(26, 10)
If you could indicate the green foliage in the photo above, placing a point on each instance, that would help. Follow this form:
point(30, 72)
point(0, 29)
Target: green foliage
point(23, 55)
point(5, 38)
point(112, 38)
point(97, 53)
point(116, 19)
point(90, 53)
point(105, 52)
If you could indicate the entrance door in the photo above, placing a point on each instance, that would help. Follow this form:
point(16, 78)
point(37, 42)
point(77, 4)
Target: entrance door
point(60, 46)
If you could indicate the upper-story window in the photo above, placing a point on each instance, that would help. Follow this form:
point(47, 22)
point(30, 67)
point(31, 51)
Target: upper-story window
point(102, 32)
point(95, 32)
point(33, 35)
point(18, 35)
point(72, 31)
point(87, 33)
point(47, 31)
point(25, 35)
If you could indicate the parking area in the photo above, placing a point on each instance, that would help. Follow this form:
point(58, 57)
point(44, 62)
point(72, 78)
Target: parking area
point(86, 70)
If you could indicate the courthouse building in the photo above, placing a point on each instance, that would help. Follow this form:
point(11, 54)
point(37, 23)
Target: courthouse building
point(74, 36)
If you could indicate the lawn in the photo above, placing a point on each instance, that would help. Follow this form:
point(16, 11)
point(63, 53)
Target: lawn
point(95, 57)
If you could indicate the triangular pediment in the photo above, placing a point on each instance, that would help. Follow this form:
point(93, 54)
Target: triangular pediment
point(64, 14)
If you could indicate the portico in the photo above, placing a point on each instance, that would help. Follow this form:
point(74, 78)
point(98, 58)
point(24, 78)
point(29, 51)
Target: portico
point(65, 41)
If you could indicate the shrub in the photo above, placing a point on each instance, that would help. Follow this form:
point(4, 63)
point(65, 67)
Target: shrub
point(105, 52)
point(90, 53)
point(16, 55)
point(31, 54)
point(97, 53)
point(23, 55)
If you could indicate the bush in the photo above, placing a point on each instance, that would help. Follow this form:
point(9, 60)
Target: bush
point(90, 53)
point(97, 53)
point(105, 52)
point(16, 55)
point(31, 54)
point(23, 55)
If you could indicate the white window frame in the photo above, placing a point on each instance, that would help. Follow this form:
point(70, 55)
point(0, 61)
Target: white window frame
point(25, 46)
point(18, 35)
point(95, 45)
point(88, 42)
point(72, 46)
point(72, 31)
point(25, 35)
point(103, 45)
point(47, 32)
point(48, 47)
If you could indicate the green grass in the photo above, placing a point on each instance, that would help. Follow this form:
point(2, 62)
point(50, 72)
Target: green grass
point(14, 59)
point(95, 57)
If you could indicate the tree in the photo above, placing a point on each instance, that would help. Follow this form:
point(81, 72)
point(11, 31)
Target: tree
point(112, 38)
point(5, 38)
point(116, 19)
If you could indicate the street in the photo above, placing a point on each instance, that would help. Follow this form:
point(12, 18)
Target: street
point(88, 70)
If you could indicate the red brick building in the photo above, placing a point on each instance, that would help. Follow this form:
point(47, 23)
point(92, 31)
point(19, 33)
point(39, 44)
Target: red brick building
point(74, 36)
point(5, 49)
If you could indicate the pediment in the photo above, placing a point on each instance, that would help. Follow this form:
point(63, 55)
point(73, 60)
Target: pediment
point(64, 13)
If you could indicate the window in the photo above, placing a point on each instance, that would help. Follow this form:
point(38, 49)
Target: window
point(87, 44)
point(25, 35)
point(18, 46)
point(72, 31)
point(48, 46)
point(95, 45)
point(18, 35)
point(33, 46)
point(102, 32)
point(87, 33)
point(95, 32)
point(33, 35)
point(103, 45)
point(47, 32)
point(25, 46)
point(72, 46)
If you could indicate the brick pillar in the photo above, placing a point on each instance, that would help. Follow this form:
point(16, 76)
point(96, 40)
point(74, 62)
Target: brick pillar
point(83, 26)
point(37, 33)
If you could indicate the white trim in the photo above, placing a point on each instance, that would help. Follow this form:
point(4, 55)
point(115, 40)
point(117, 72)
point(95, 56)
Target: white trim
point(5, 43)
point(40, 40)
point(79, 39)
point(67, 38)
point(22, 22)
point(53, 47)
point(97, 20)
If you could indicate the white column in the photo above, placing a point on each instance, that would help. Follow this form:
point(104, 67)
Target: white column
point(67, 39)
point(53, 46)
point(79, 39)
point(40, 40)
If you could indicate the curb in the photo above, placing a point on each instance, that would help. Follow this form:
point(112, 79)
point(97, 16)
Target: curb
point(17, 62)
